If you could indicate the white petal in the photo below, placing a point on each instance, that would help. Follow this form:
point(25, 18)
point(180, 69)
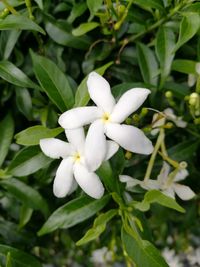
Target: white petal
point(181, 175)
point(55, 148)
point(78, 117)
point(88, 181)
point(169, 192)
point(128, 103)
point(64, 178)
point(95, 146)
point(129, 137)
point(180, 122)
point(183, 191)
point(130, 182)
point(76, 137)
point(150, 184)
point(162, 177)
point(112, 148)
point(100, 93)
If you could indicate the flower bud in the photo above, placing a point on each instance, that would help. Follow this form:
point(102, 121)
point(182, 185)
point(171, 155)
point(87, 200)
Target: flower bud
point(144, 112)
point(128, 155)
point(193, 99)
point(183, 165)
point(168, 94)
point(168, 125)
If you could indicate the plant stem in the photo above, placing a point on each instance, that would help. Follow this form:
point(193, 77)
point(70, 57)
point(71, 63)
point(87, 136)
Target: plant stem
point(9, 7)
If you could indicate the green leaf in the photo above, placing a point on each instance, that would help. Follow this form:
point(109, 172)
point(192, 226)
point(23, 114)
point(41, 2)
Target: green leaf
point(19, 22)
point(158, 4)
point(12, 74)
point(82, 96)
point(94, 6)
point(26, 194)
point(27, 161)
point(40, 3)
point(183, 150)
point(32, 135)
point(8, 41)
point(53, 81)
point(25, 215)
point(188, 28)
point(148, 64)
point(99, 227)
point(19, 258)
point(155, 196)
point(72, 213)
point(84, 28)
point(8, 260)
point(165, 43)
point(184, 66)
point(62, 37)
point(142, 252)
point(179, 90)
point(6, 135)
point(24, 102)
point(77, 10)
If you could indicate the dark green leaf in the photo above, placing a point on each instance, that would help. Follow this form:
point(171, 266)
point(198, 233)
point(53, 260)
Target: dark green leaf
point(72, 213)
point(10, 39)
point(53, 81)
point(77, 10)
point(32, 135)
point(184, 66)
point(183, 150)
point(150, 3)
point(26, 194)
point(25, 215)
point(19, 22)
point(24, 102)
point(27, 161)
point(6, 135)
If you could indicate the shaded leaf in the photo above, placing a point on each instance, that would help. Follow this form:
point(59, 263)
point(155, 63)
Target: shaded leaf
point(84, 28)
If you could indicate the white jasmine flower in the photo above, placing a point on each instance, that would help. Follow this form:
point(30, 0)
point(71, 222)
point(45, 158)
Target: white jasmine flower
point(106, 119)
point(73, 165)
point(171, 258)
point(194, 257)
point(169, 186)
point(101, 256)
point(168, 114)
point(132, 182)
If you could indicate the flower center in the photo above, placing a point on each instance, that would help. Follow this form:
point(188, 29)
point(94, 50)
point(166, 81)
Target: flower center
point(106, 117)
point(77, 157)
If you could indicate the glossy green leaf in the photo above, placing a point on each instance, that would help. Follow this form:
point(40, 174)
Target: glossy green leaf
point(84, 28)
point(148, 64)
point(188, 28)
point(53, 81)
point(6, 135)
point(184, 66)
point(32, 135)
point(19, 258)
point(28, 161)
point(142, 252)
point(72, 213)
point(98, 228)
point(165, 43)
point(82, 96)
point(19, 22)
point(62, 37)
point(26, 194)
point(24, 102)
point(155, 196)
point(12, 74)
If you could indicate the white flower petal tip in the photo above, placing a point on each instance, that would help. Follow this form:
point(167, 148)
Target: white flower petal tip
point(128, 103)
point(63, 181)
point(78, 117)
point(112, 148)
point(183, 191)
point(88, 181)
point(55, 148)
point(100, 93)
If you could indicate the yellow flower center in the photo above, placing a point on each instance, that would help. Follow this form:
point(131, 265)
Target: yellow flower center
point(77, 157)
point(106, 117)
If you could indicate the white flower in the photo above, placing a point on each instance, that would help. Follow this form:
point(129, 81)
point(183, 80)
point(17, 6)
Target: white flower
point(168, 114)
point(106, 119)
point(73, 163)
point(170, 186)
point(194, 257)
point(101, 256)
point(132, 182)
point(171, 258)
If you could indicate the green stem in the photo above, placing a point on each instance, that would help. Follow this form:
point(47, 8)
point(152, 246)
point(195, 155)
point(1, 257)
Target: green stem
point(10, 8)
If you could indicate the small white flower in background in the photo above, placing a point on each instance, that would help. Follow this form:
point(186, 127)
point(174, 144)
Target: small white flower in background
point(73, 165)
point(170, 186)
point(171, 258)
point(106, 119)
point(101, 256)
point(194, 257)
point(168, 114)
point(192, 78)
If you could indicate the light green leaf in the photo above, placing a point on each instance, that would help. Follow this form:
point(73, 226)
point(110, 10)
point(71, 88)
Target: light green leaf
point(165, 43)
point(188, 28)
point(72, 213)
point(184, 66)
point(27, 161)
point(19, 258)
point(40, 3)
point(142, 252)
point(12, 74)
point(158, 4)
point(6, 135)
point(155, 196)
point(26, 194)
point(8, 260)
point(19, 22)
point(94, 6)
point(84, 28)
point(148, 64)
point(32, 135)
point(98, 228)
point(82, 96)
point(53, 81)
